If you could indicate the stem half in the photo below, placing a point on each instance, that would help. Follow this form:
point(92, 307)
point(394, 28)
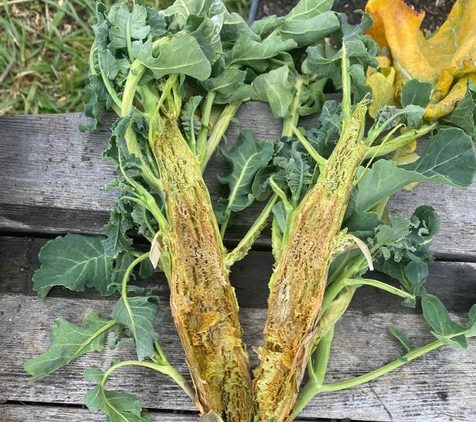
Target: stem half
point(299, 280)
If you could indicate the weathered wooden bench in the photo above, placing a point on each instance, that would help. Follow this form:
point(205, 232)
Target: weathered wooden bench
point(52, 183)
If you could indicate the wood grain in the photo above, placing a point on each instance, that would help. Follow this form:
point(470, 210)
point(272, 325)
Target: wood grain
point(35, 413)
point(438, 387)
point(453, 282)
point(53, 178)
point(27, 412)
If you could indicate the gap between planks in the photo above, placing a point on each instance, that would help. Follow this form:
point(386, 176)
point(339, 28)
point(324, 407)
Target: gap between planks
point(453, 282)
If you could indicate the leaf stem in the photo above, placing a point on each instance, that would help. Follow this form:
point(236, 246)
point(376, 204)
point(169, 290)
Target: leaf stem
point(245, 244)
point(346, 85)
point(281, 194)
point(219, 130)
point(399, 141)
point(322, 354)
point(205, 125)
point(318, 158)
point(127, 274)
point(292, 120)
point(354, 382)
point(166, 369)
point(335, 288)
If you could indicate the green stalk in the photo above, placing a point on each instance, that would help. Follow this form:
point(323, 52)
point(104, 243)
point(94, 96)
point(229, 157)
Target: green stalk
point(336, 287)
point(163, 369)
point(219, 130)
point(399, 142)
point(292, 120)
point(205, 125)
point(245, 244)
point(311, 390)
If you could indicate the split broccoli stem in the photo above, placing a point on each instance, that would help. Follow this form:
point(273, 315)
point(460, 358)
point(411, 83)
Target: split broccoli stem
point(203, 302)
point(300, 277)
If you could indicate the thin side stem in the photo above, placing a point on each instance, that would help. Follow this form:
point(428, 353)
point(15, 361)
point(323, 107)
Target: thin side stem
point(245, 244)
point(163, 369)
point(318, 158)
point(292, 120)
point(219, 130)
point(399, 141)
point(205, 123)
point(335, 288)
point(346, 86)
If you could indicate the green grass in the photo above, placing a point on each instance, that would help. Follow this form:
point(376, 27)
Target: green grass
point(44, 48)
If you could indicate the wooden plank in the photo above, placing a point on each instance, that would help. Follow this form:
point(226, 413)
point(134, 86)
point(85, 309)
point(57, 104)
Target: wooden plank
point(54, 175)
point(27, 412)
point(46, 413)
point(437, 387)
point(453, 282)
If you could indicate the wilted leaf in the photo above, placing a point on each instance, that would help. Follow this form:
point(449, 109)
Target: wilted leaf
point(446, 57)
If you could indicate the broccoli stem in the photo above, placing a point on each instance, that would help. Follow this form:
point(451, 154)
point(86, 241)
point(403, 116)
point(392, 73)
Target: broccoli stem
point(203, 302)
point(299, 280)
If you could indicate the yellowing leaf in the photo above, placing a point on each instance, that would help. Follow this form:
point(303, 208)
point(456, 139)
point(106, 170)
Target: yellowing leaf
point(447, 104)
point(381, 82)
point(446, 59)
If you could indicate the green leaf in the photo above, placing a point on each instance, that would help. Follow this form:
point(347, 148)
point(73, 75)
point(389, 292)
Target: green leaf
point(307, 9)
point(227, 84)
point(362, 224)
point(138, 314)
point(438, 318)
point(464, 114)
point(250, 50)
point(93, 375)
point(156, 21)
point(179, 53)
point(181, 10)
point(246, 157)
point(116, 405)
point(75, 262)
point(97, 101)
point(116, 232)
point(416, 93)
point(70, 341)
point(447, 158)
point(275, 88)
point(401, 337)
point(306, 30)
point(127, 25)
